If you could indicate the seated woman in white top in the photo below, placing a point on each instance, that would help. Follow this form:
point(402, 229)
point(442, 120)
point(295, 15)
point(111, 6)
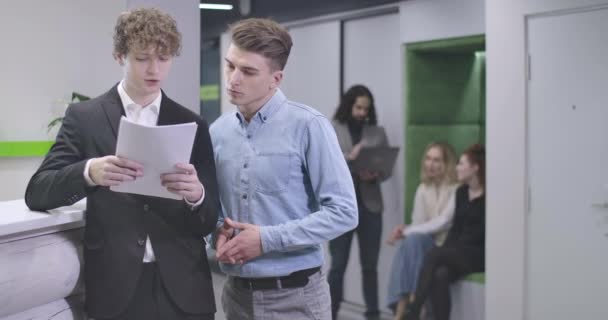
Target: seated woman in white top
point(431, 218)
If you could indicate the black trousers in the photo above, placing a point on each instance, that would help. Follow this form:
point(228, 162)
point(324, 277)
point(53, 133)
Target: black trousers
point(152, 302)
point(369, 233)
point(443, 266)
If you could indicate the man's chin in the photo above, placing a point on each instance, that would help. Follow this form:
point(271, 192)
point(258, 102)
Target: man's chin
point(234, 101)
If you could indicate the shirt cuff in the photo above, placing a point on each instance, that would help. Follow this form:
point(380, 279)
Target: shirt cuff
point(87, 178)
point(271, 239)
point(198, 203)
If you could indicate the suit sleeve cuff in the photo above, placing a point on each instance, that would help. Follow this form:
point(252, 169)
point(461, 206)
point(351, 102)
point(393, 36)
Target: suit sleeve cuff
point(198, 203)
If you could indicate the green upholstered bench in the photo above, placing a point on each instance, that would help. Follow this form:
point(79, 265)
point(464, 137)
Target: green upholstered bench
point(479, 277)
point(468, 298)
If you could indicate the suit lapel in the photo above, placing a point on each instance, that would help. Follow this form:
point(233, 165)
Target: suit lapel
point(113, 108)
point(167, 114)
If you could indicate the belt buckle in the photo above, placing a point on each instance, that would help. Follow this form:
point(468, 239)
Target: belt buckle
point(279, 283)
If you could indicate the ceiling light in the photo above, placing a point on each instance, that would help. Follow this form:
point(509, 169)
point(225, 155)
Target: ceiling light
point(215, 6)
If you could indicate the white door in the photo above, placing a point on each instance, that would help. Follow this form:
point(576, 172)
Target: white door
point(567, 236)
point(372, 56)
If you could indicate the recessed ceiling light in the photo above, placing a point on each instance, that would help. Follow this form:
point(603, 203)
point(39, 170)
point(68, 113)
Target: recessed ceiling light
point(215, 6)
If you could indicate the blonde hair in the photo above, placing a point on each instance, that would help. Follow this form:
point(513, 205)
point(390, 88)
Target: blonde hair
point(449, 162)
point(143, 28)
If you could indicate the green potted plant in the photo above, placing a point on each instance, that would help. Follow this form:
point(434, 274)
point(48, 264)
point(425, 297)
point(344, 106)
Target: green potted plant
point(76, 97)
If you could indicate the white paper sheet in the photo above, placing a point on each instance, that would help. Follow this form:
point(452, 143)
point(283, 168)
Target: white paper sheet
point(158, 149)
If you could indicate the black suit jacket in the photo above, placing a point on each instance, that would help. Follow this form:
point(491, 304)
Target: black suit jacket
point(117, 223)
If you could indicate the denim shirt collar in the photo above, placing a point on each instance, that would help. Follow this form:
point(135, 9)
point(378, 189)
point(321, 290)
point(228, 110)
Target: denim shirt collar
point(268, 110)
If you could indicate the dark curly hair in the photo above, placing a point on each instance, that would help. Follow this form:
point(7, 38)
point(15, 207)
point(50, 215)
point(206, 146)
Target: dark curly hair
point(345, 109)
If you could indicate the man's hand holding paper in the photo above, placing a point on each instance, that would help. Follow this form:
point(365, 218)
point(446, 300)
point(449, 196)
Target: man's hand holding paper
point(164, 154)
point(112, 170)
point(184, 182)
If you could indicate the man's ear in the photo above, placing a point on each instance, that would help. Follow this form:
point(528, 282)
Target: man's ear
point(277, 77)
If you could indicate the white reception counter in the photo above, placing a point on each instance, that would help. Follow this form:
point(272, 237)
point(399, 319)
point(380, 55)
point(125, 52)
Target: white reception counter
point(40, 262)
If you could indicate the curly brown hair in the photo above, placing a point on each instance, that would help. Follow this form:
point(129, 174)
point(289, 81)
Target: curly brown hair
point(265, 37)
point(144, 28)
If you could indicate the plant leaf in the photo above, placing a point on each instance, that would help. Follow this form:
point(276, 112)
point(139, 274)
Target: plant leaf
point(53, 123)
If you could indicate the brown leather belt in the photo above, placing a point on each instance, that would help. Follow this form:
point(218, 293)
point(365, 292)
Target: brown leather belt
point(296, 279)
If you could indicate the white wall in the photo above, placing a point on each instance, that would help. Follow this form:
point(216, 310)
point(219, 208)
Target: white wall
point(423, 20)
point(506, 140)
point(315, 45)
point(56, 47)
point(363, 38)
point(52, 48)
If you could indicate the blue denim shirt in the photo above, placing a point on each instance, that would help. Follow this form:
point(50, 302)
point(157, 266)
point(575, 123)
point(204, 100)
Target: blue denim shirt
point(285, 172)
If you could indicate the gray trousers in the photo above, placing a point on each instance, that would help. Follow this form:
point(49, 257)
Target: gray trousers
point(309, 302)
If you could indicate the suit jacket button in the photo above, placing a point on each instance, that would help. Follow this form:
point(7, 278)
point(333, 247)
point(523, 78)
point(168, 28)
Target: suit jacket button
point(146, 208)
point(141, 242)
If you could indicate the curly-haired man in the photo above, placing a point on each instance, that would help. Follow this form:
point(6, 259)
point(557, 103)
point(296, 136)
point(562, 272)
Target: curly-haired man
point(144, 256)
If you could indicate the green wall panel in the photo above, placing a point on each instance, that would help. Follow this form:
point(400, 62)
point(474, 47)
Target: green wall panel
point(24, 148)
point(444, 88)
point(450, 45)
point(479, 277)
point(445, 100)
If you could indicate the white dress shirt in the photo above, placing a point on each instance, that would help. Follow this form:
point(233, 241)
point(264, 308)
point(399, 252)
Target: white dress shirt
point(145, 115)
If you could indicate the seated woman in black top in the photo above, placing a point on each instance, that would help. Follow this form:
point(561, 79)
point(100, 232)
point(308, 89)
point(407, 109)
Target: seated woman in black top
point(464, 249)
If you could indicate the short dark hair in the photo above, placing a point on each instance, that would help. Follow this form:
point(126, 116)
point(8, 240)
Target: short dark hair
point(265, 37)
point(144, 27)
point(345, 108)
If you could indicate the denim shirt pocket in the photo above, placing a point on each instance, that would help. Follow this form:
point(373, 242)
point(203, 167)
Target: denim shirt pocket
point(272, 172)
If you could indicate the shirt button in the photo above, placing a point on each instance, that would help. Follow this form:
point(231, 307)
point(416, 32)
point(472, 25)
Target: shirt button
point(248, 136)
point(141, 242)
point(244, 196)
point(146, 207)
point(245, 166)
